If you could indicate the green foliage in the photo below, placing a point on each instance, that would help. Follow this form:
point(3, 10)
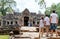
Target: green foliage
point(53, 7)
point(49, 10)
point(41, 3)
point(5, 5)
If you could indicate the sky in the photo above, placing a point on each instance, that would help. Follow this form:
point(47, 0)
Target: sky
point(32, 5)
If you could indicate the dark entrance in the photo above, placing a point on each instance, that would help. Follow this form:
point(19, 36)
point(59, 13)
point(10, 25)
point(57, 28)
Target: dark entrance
point(26, 21)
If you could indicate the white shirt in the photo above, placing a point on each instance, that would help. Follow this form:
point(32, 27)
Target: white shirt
point(54, 17)
point(41, 23)
point(47, 20)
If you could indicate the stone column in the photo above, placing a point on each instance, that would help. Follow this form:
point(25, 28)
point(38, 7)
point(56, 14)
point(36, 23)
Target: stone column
point(13, 22)
point(6, 23)
point(36, 22)
point(22, 22)
point(9, 22)
point(31, 21)
point(1, 22)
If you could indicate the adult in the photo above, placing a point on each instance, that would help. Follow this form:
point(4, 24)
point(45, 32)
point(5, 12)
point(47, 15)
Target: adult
point(54, 22)
point(47, 24)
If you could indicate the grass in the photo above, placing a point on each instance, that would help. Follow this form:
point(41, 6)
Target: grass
point(4, 36)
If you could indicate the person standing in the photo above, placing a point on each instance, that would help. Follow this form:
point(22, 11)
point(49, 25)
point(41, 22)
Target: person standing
point(47, 24)
point(54, 22)
point(41, 26)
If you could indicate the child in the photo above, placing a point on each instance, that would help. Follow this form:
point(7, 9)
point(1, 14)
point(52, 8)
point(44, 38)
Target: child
point(41, 26)
point(47, 24)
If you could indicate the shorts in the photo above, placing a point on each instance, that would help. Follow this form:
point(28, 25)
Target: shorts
point(53, 26)
point(47, 26)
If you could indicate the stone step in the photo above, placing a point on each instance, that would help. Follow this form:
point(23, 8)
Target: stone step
point(27, 29)
point(23, 38)
point(54, 38)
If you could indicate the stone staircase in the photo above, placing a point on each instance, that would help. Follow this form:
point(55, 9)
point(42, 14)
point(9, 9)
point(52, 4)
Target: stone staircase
point(31, 33)
point(28, 33)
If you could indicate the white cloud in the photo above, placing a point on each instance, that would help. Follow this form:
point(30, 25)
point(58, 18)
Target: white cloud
point(32, 5)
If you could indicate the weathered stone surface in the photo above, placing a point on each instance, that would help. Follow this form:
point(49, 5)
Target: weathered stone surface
point(54, 38)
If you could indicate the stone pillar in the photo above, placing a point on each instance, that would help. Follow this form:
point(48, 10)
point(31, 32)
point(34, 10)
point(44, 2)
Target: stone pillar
point(1, 22)
point(13, 22)
point(22, 22)
point(9, 22)
point(19, 22)
point(31, 21)
point(6, 23)
point(36, 22)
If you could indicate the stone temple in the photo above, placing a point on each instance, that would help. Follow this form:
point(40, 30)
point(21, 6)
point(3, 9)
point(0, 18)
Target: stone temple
point(25, 24)
point(25, 18)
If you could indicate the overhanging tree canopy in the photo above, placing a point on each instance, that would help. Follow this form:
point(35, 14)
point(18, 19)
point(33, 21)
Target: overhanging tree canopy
point(5, 5)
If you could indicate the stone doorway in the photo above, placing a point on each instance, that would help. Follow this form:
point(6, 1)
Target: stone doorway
point(26, 19)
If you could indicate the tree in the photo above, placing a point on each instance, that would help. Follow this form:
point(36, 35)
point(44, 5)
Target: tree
point(58, 10)
point(41, 3)
point(49, 10)
point(5, 5)
point(53, 7)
